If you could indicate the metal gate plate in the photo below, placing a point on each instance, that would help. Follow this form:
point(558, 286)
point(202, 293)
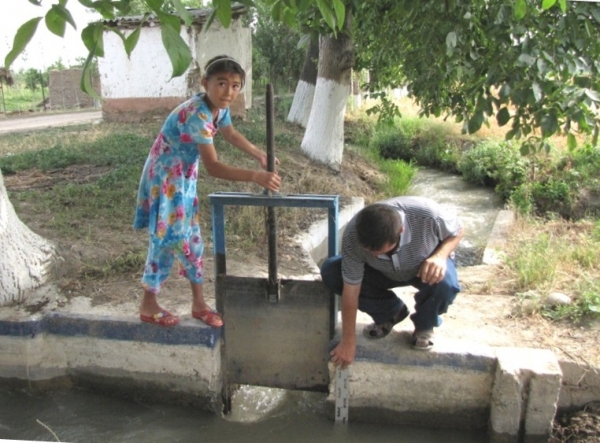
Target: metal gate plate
point(283, 344)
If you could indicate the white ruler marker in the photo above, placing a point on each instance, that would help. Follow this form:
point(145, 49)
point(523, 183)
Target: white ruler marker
point(341, 395)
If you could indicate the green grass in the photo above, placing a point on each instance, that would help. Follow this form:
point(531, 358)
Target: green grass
point(558, 256)
point(19, 98)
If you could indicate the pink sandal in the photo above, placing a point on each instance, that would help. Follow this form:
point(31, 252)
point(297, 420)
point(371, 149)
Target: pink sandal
point(210, 317)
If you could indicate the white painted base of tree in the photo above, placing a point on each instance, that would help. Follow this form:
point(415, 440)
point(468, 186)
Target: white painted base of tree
point(324, 136)
point(302, 104)
point(26, 259)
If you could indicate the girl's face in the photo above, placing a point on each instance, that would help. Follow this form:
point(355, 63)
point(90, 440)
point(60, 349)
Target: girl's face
point(222, 89)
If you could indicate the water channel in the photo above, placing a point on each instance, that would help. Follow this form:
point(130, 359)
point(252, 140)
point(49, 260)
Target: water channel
point(259, 414)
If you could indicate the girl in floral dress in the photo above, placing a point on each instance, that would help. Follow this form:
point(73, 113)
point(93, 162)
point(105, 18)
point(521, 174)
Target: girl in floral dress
point(167, 203)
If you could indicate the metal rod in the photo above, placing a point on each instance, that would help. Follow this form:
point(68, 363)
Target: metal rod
point(272, 284)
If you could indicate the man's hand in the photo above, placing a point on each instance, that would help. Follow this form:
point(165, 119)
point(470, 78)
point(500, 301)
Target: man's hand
point(432, 270)
point(343, 354)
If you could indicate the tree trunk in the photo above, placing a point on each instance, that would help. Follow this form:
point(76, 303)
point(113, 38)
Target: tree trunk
point(305, 90)
point(26, 259)
point(324, 136)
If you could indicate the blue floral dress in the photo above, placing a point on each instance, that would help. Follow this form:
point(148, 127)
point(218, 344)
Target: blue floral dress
point(167, 202)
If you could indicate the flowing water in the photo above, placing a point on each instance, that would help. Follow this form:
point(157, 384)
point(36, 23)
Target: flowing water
point(259, 414)
point(476, 206)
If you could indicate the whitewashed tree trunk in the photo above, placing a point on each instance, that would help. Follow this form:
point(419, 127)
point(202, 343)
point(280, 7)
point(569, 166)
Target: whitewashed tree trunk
point(324, 136)
point(25, 258)
point(305, 89)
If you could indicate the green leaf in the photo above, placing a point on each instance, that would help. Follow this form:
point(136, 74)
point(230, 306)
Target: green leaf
point(178, 51)
point(475, 122)
point(340, 13)
point(86, 82)
point(537, 91)
point(92, 37)
point(520, 9)
point(36, 2)
point(55, 21)
point(131, 41)
point(510, 134)
point(223, 9)
point(503, 116)
point(183, 13)
point(549, 125)
point(563, 5)
point(547, 4)
point(524, 149)
point(571, 142)
point(596, 14)
point(327, 13)
point(593, 95)
point(450, 42)
point(22, 38)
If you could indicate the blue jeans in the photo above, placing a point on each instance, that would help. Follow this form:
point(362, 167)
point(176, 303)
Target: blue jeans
point(377, 300)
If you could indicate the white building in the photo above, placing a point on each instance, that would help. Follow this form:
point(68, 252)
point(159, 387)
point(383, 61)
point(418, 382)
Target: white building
point(140, 88)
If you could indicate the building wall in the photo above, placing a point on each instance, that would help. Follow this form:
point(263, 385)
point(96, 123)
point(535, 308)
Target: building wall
point(65, 90)
point(140, 88)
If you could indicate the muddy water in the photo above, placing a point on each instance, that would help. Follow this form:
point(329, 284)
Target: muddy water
point(476, 206)
point(261, 415)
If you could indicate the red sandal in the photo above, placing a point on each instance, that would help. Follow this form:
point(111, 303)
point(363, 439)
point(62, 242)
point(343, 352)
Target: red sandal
point(163, 318)
point(210, 317)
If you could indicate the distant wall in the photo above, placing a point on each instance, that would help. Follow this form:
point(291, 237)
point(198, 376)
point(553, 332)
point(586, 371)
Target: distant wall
point(65, 90)
point(141, 87)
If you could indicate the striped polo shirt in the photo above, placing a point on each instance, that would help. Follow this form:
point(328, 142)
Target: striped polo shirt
point(425, 223)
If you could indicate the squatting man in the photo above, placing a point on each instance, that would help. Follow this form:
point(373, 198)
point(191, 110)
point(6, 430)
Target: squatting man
point(403, 241)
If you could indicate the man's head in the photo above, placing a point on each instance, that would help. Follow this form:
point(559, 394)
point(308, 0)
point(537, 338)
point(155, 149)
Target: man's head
point(378, 227)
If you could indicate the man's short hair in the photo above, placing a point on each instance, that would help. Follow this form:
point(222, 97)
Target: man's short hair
point(378, 225)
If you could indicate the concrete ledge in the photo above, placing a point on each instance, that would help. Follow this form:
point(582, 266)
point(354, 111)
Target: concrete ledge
point(525, 393)
point(492, 254)
point(134, 358)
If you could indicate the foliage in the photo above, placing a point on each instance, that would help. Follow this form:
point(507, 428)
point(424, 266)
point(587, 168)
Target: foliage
point(494, 164)
point(516, 62)
point(412, 139)
point(276, 55)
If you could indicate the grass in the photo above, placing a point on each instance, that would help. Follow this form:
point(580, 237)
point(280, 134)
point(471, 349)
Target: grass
point(557, 256)
point(19, 98)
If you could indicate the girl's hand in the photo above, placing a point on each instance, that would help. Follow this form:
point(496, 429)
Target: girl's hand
point(269, 180)
point(264, 161)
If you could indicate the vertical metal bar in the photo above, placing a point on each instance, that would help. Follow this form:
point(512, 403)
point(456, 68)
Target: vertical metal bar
point(218, 231)
point(272, 284)
point(332, 250)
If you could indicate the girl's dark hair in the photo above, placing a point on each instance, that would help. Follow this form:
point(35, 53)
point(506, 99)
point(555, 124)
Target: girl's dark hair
point(224, 64)
point(378, 225)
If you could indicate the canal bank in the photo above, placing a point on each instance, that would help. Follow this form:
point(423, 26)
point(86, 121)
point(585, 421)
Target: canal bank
point(481, 374)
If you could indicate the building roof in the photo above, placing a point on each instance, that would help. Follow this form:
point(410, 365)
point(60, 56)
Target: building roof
point(199, 17)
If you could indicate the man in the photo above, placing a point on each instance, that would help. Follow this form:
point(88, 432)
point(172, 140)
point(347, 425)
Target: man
point(403, 241)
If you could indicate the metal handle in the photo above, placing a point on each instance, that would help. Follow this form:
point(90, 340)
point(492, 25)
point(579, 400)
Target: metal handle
point(272, 283)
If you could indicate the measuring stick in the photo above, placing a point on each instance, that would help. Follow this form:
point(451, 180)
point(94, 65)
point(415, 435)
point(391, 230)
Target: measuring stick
point(341, 395)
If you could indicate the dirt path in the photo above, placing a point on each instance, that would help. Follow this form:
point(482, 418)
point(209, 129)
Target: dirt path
point(37, 121)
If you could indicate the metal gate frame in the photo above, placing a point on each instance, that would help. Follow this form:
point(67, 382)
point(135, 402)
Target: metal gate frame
point(218, 201)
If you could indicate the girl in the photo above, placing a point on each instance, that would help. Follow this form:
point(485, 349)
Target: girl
point(167, 203)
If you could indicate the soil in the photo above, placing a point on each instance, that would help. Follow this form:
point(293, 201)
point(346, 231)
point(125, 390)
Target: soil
point(485, 310)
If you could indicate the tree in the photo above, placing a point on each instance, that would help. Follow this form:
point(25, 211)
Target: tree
point(26, 259)
point(305, 89)
point(276, 56)
point(533, 66)
point(7, 79)
point(324, 136)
